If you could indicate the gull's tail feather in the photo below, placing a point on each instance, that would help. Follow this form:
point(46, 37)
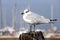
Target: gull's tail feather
point(53, 19)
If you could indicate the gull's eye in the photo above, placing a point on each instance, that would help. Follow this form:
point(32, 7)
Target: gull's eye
point(27, 11)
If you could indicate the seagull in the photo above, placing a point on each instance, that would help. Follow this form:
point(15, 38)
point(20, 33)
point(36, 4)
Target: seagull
point(33, 18)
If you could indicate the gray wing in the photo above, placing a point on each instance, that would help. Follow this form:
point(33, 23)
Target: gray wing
point(33, 17)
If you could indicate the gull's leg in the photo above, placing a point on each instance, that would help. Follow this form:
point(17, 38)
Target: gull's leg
point(34, 27)
point(30, 28)
point(34, 30)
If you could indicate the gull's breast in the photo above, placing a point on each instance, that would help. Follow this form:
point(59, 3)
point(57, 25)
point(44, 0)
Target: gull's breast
point(26, 19)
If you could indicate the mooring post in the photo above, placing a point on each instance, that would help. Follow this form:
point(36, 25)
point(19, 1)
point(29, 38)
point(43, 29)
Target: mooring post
point(41, 36)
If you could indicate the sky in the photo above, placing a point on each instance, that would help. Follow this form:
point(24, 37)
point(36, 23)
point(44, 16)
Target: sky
point(41, 7)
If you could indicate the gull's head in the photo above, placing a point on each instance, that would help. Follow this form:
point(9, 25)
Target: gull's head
point(25, 11)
